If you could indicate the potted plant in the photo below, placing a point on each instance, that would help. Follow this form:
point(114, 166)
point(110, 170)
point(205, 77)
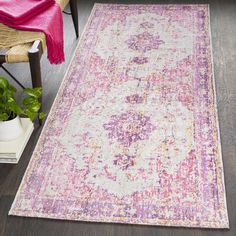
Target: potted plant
point(11, 110)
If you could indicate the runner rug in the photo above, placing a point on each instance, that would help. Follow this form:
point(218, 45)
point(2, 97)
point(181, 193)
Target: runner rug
point(133, 135)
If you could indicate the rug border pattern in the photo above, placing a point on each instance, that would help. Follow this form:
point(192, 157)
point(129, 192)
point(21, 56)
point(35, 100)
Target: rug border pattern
point(159, 222)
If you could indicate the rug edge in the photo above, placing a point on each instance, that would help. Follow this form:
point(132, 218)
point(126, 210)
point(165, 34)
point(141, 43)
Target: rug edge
point(223, 182)
point(211, 225)
point(51, 109)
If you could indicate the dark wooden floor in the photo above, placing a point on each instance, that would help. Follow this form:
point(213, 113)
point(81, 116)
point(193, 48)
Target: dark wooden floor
point(223, 24)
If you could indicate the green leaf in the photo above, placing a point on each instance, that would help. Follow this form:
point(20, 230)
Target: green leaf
point(28, 100)
point(30, 114)
point(34, 106)
point(33, 92)
point(28, 106)
point(41, 115)
point(8, 93)
point(12, 88)
point(14, 107)
point(10, 99)
point(4, 83)
point(4, 116)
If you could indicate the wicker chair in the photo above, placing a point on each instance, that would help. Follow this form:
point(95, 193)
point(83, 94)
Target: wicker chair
point(32, 47)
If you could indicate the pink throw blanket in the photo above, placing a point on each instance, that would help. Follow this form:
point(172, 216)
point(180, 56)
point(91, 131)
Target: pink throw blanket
point(37, 15)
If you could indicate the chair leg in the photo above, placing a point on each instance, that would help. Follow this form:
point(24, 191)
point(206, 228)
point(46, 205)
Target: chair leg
point(74, 13)
point(34, 60)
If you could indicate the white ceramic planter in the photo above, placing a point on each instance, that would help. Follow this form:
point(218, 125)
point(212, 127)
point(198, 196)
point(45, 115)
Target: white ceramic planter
point(10, 129)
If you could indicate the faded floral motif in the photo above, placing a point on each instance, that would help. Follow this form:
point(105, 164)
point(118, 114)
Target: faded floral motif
point(135, 98)
point(133, 135)
point(147, 25)
point(140, 60)
point(129, 127)
point(144, 42)
point(124, 161)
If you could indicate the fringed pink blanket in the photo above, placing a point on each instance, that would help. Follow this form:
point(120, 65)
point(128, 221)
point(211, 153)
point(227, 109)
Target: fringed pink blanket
point(37, 15)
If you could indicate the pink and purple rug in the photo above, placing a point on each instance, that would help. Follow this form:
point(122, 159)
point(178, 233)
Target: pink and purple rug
point(133, 135)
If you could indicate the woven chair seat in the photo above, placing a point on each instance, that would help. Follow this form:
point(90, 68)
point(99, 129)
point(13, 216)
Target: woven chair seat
point(18, 42)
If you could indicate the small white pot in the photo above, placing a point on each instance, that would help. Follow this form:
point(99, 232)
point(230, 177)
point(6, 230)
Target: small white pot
point(10, 129)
